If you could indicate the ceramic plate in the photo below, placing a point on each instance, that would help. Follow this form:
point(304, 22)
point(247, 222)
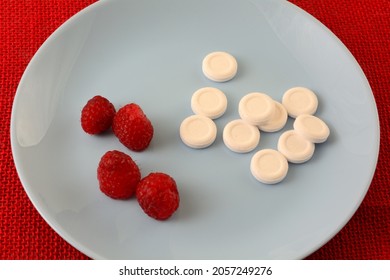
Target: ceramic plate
point(150, 53)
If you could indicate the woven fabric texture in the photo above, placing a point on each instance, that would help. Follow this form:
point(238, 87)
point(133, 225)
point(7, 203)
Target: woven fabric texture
point(363, 26)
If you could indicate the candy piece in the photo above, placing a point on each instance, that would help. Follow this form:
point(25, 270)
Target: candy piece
point(198, 131)
point(209, 102)
point(269, 166)
point(241, 137)
point(256, 108)
point(312, 128)
point(299, 101)
point(219, 66)
point(295, 147)
point(278, 120)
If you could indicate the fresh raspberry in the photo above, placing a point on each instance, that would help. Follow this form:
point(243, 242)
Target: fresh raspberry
point(158, 196)
point(132, 127)
point(97, 115)
point(118, 175)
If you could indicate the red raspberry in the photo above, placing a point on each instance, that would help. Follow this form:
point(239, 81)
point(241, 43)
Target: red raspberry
point(158, 196)
point(118, 175)
point(97, 115)
point(132, 127)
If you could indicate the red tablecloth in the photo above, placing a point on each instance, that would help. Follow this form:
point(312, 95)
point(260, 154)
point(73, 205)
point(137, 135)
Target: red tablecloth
point(362, 25)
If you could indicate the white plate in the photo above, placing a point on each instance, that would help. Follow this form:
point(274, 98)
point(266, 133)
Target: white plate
point(150, 52)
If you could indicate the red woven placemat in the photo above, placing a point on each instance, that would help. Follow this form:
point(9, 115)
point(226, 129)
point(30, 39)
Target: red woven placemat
point(363, 26)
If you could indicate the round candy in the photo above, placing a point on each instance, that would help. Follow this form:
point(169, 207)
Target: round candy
point(269, 166)
point(278, 120)
point(295, 147)
point(256, 108)
point(209, 102)
point(198, 131)
point(219, 66)
point(241, 137)
point(312, 128)
point(300, 100)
